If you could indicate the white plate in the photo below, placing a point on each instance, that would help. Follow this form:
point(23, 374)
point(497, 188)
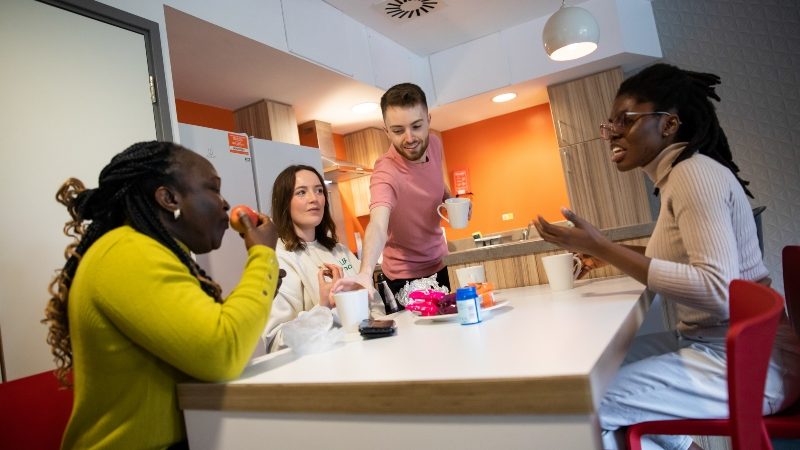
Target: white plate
point(445, 317)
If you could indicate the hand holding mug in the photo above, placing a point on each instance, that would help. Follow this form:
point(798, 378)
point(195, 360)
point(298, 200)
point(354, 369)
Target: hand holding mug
point(459, 211)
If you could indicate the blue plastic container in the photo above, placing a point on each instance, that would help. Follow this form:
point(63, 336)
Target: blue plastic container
point(468, 305)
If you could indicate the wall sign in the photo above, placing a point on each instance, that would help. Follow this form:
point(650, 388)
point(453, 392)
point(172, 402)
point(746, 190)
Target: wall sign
point(461, 182)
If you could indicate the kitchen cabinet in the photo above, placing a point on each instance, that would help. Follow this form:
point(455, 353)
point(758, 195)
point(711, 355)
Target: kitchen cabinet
point(316, 133)
point(364, 147)
point(269, 120)
point(597, 190)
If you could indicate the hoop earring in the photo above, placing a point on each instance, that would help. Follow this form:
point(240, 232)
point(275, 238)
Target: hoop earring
point(176, 214)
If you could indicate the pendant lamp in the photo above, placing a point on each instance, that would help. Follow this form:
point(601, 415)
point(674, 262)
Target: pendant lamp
point(570, 33)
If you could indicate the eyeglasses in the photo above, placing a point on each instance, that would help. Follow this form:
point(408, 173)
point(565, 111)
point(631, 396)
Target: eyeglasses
point(624, 122)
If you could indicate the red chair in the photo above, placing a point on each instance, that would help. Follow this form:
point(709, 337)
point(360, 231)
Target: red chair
point(34, 412)
point(786, 424)
point(755, 311)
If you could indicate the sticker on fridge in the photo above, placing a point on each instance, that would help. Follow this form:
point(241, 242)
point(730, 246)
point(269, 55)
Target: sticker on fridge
point(239, 144)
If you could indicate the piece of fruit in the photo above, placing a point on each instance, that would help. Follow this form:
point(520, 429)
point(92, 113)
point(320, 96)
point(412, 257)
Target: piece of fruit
point(236, 222)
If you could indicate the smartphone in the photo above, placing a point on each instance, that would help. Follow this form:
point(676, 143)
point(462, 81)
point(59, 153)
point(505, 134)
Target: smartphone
point(371, 328)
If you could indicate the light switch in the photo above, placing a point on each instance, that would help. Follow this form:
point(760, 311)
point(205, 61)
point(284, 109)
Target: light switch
point(508, 216)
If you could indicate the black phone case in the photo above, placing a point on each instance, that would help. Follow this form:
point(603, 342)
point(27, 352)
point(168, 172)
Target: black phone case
point(372, 332)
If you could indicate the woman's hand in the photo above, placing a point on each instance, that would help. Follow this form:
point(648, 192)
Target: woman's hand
point(583, 237)
point(327, 275)
point(264, 233)
point(361, 281)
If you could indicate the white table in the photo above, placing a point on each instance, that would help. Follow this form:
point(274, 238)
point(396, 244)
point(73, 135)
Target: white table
point(529, 376)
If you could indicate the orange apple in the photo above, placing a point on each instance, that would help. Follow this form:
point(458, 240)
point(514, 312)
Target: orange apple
point(236, 222)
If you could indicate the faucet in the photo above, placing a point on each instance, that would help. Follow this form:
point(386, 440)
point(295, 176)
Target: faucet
point(527, 232)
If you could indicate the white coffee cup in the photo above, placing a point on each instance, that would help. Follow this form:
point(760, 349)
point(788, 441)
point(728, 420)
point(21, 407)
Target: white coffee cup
point(352, 307)
point(562, 270)
point(457, 211)
point(472, 274)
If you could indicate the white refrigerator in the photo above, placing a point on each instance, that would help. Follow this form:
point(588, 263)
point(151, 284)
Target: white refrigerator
point(248, 168)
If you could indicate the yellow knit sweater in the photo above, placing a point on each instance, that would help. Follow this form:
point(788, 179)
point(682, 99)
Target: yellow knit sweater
point(140, 324)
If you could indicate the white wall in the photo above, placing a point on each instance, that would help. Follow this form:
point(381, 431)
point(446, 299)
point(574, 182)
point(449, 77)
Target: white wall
point(752, 46)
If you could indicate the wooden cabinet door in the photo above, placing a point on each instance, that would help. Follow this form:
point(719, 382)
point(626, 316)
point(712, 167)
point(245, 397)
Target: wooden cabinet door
point(364, 147)
point(599, 192)
point(579, 106)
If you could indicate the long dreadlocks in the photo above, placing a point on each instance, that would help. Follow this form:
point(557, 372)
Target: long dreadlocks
point(125, 195)
point(689, 94)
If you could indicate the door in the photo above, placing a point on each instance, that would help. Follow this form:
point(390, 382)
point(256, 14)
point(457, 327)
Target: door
point(75, 92)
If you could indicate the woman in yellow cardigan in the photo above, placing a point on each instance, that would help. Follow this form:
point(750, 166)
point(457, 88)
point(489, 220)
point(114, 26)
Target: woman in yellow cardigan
point(132, 314)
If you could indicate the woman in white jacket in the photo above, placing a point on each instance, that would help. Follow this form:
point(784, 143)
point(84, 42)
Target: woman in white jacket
point(308, 250)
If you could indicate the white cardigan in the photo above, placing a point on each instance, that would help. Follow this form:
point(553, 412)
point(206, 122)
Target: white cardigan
point(299, 290)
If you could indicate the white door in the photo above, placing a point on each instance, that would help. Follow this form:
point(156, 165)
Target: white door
point(75, 92)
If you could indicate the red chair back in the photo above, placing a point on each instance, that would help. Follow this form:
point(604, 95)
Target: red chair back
point(755, 311)
point(786, 424)
point(34, 412)
point(791, 283)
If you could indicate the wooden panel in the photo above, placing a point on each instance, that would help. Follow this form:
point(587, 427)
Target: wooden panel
point(527, 270)
point(599, 192)
point(253, 120)
point(282, 123)
point(316, 133)
point(364, 147)
point(579, 106)
point(270, 120)
point(553, 395)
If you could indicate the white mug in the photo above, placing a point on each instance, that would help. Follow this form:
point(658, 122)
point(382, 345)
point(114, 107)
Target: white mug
point(457, 211)
point(562, 270)
point(352, 307)
point(472, 274)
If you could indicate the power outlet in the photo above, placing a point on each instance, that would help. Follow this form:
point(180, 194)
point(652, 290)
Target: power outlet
point(508, 216)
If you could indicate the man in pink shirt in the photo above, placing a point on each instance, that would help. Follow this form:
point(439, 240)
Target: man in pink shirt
point(406, 187)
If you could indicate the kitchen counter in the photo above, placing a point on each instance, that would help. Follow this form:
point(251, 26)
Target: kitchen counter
point(537, 245)
point(516, 264)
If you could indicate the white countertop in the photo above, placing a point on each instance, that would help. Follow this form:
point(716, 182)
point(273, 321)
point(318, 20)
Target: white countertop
point(578, 335)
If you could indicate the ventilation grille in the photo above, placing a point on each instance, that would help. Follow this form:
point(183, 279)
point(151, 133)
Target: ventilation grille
point(409, 9)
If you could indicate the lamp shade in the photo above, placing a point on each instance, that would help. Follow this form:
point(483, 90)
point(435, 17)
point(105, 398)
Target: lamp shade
point(570, 33)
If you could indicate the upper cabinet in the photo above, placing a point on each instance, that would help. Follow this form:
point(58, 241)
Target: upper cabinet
point(579, 106)
point(270, 120)
point(364, 147)
point(597, 191)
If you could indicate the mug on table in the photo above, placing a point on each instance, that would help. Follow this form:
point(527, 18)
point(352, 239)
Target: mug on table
point(562, 270)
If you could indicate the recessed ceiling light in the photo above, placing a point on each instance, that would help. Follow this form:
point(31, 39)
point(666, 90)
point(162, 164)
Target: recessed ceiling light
point(504, 97)
point(364, 108)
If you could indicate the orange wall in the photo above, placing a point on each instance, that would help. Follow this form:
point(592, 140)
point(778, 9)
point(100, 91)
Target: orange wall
point(514, 167)
point(204, 115)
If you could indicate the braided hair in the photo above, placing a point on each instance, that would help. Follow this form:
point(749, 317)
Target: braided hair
point(688, 93)
point(125, 195)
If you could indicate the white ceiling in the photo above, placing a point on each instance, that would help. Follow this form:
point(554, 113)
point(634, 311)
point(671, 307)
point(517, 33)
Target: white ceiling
point(214, 66)
point(447, 23)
